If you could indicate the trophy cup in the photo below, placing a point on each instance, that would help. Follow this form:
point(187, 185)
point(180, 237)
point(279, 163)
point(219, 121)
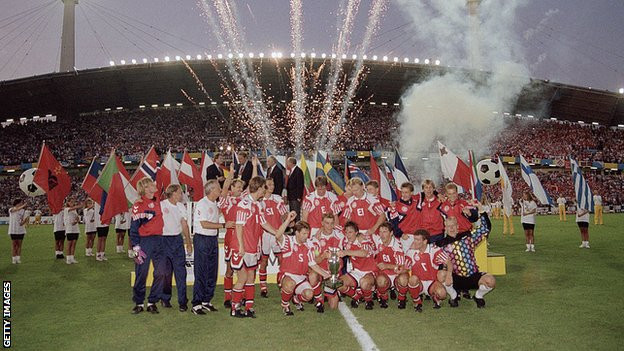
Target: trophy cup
point(334, 268)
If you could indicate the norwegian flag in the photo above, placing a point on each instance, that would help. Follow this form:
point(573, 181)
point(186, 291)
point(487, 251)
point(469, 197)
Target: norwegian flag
point(147, 168)
point(354, 171)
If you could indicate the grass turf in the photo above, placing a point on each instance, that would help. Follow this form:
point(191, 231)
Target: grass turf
point(560, 297)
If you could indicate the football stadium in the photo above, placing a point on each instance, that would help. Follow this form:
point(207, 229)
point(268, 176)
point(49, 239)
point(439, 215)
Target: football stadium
point(272, 174)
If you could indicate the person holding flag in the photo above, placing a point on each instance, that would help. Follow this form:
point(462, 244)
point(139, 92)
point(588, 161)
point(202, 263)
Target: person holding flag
point(533, 182)
point(18, 217)
point(72, 229)
point(584, 202)
point(88, 215)
point(528, 210)
point(507, 200)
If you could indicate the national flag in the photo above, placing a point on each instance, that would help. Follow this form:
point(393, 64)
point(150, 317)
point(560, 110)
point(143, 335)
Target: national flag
point(190, 176)
point(354, 171)
point(584, 197)
point(308, 185)
point(399, 172)
point(167, 173)
point(533, 182)
point(333, 177)
point(320, 162)
point(147, 168)
point(477, 187)
point(89, 184)
point(53, 179)
point(453, 168)
point(117, 192)
point(206, 162)
point(506, 189)
point(386, 192)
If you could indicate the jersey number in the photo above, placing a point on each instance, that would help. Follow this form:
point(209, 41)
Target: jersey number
point(360, 212)
point(424, 266)
point(300, 258)
point(269, 211)
point(386, 258)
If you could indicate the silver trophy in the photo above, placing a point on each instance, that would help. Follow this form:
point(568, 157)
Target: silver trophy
point(333, 262)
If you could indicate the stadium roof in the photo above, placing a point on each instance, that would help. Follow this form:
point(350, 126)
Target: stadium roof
point(132, 85)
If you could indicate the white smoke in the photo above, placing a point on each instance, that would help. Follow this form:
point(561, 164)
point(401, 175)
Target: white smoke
point(457, 107)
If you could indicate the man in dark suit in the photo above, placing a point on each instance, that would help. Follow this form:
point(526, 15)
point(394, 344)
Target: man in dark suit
point(294, 186)
point(245, 168)
point(214, 171)
point(275, 172)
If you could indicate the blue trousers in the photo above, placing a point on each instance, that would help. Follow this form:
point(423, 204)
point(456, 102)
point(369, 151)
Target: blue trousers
point(174, 262)
point(152, 246)
point(206, 262)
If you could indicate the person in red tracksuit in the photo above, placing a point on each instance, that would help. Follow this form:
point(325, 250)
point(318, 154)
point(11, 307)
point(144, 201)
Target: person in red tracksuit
point(146, 239)
point(465, 213)
point(431, 214)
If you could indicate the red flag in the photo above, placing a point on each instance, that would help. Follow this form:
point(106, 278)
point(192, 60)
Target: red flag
point(53, 179)
point(190, 176)
point(454, 168)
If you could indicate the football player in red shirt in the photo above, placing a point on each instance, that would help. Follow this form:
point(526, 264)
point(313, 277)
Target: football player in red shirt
point(228, 204)
point(431, 214)
point(361, 250)
point(363, 209)
point(274, 210)
point(317, 203)
point(250, 223)
point(390, 261)
point(430, 268)
point(297, 258)
point(460, 209)
point(328, 237)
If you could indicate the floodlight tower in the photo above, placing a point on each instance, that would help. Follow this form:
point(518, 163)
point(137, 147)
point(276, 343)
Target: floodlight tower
point(474, 49)
point(68, 38)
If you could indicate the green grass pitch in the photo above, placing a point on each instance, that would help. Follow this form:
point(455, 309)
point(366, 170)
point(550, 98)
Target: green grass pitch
point(560, 297)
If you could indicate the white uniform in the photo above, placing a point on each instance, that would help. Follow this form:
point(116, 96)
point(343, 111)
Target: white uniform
point(205, 210)
point(15, 222)
point(172, 217)
point(122, 221)
point(561, 201)
point(59, 222)
point(89, 219)
point(527, 206)
point(597, 200)
point(583, 218)
point(70, 219)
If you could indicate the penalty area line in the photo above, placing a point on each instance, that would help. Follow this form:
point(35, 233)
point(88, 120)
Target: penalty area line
point(361, 335)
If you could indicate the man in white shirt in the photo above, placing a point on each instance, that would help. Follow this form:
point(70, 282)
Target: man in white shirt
point(598, 210)
point(561, 201)
point(206, 247)
point(174, 262)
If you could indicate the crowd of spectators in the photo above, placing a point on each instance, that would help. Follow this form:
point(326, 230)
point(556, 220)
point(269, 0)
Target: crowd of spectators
point(560, 139)
point(366, 127)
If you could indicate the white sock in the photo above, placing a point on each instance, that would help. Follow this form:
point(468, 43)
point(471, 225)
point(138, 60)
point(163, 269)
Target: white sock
point(528, 246)
point(451, 291)
point(13, 259)
point(482, 291)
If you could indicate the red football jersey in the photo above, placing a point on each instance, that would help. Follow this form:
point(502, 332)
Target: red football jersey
point(431, 216)
point(147, 218)
point(363, 211)
point(296, 258)
point(249, 215)
point(364, 264)
point(425, 264)
point(391, 253)
point(229, 206)
point(321, 243)
point(273, 208)
point(317, 206)
point(455, 210)
point(409, 214)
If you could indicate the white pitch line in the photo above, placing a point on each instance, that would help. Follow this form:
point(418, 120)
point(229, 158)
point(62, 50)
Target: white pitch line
point(361, 335)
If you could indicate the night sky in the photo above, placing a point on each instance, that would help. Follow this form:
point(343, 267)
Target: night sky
point(580, 42)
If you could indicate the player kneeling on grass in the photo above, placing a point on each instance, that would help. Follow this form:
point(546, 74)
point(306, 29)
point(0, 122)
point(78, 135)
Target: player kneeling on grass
point(297, 258)
point(390, 261)
point(361, 251)
point(428, 264)
point(328, 237)
point(461, 248)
